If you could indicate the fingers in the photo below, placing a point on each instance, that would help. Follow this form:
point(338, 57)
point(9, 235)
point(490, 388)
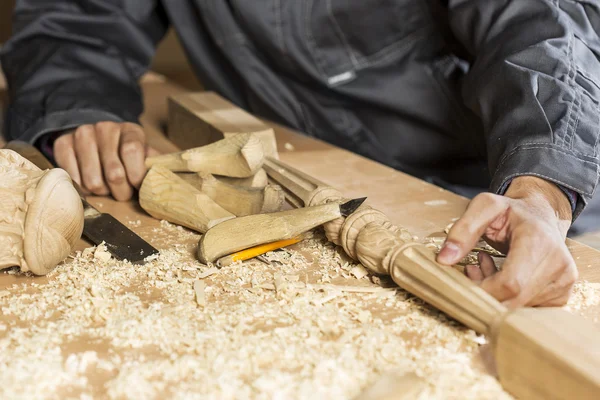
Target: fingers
point(517, 280)
point(64, 154)
point(105, 158)
point(487, 264)
point(464, 234)
point(108, 134)
point(474, 273)
point(88, 159)
point(485, 269)
point(132, 150)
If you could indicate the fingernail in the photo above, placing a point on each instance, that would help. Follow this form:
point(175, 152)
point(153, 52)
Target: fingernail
point(449, 254)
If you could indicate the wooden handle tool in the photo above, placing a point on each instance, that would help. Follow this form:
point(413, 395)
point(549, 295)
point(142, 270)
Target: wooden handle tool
point(245, 232)
point(257, 251)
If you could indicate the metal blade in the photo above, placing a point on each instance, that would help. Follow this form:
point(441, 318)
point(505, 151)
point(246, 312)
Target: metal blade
point(120, 241)
point(350, 206)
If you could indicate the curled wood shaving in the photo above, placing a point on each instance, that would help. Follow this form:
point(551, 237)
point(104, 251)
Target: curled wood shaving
point(199, 287)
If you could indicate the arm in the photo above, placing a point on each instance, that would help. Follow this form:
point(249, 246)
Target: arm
point(72, 64)
point(535, 83)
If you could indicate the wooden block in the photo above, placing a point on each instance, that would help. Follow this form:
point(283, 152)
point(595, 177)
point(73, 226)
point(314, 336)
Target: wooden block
point(548, 353)
point(198, 119)
point(237, 200)
point(165, 195)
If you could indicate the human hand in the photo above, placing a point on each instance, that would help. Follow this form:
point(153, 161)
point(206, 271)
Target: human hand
point(529, 224)
point(105, 158)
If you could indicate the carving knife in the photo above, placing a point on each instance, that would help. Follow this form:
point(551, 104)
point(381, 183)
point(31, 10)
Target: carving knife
point(98, 227)
point(252, 231)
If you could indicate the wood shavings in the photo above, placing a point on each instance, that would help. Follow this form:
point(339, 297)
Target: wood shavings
point(4, 293)
point(199, 288)
point(435, 203)
point(289, 147)
point(359, 272)
point(585, 295)
point(208, 272)
point(273, 331)
point(354, 289)
point(101, 254)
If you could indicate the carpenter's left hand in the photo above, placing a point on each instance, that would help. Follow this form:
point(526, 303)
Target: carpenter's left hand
point(529, 224)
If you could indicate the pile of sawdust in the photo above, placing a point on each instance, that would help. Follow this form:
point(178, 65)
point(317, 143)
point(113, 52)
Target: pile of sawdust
point(296, 325)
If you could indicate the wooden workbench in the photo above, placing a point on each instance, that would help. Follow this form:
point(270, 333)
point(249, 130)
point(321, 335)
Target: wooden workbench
point(421, 207)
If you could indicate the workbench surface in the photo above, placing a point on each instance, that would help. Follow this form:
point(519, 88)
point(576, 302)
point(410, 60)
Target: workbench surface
point(293, 327)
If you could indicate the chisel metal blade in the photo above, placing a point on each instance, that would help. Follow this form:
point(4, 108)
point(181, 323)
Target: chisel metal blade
point(350, 206)
point(119, 240)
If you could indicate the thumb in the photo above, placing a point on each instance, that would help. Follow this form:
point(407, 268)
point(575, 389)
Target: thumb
point(467, 231)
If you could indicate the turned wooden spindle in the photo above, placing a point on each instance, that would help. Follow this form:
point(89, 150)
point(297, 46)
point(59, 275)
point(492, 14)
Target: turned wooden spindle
point(238, 156)
point(539, 354)
point(413, 267)
point(41, 216)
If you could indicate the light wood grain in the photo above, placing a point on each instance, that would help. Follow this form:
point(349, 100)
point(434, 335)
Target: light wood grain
point(41, 216)
point(166, 196)
point(257, 181)
point(239, 156)
point(548, 354)
point(237, 200)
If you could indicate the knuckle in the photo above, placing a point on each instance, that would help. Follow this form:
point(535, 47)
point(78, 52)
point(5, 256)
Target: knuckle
point(105, 126)
point(131, 148)
point(115, 175)
point(84, 131)
point(94, 184)
point(63, 142)
point(489, 199)
point(512, 286)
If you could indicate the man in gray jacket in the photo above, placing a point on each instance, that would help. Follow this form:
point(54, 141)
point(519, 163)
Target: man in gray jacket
point(468, 94)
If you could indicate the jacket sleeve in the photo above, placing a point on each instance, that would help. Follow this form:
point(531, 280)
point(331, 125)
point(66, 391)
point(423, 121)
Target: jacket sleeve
point(72, 62)
point(535, 83)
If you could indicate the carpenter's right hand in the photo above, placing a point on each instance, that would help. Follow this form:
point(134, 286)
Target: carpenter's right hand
point(105, 158)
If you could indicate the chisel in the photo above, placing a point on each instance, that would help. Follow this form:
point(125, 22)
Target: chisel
point(98, 227)
point(247, 232)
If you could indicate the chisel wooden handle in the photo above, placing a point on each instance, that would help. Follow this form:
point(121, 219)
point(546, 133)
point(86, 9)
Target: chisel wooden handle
point(245, 232)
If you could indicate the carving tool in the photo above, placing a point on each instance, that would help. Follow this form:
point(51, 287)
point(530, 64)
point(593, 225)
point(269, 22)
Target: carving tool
point(98, 227)
point(257, 251)
point(247, 232)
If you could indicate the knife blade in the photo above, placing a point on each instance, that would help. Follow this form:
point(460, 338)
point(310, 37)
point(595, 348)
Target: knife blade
point(98, 227)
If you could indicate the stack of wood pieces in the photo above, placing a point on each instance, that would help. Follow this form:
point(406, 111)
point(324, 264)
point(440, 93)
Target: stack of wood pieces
point(218, 180)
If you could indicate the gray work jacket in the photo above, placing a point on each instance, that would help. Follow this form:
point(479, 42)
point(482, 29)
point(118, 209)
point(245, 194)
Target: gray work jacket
point(471, 92)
